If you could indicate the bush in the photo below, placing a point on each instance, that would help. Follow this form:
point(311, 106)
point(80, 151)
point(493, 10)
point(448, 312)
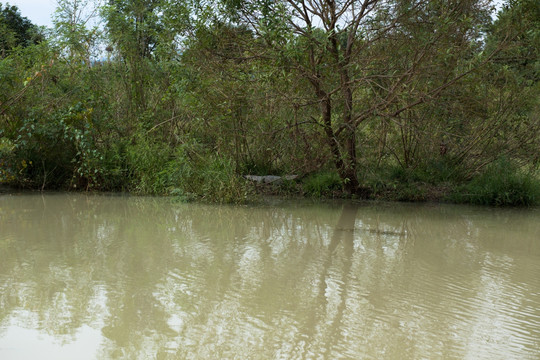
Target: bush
point(56, 151)
point(145, 162)
point(259, 167)
point(189, 173)
point(434, 171)
point(219, 182)
point(6, 154)
point(502, 184)
point(322, 184)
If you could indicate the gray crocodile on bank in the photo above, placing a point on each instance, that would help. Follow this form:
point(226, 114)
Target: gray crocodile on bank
point(270, 179)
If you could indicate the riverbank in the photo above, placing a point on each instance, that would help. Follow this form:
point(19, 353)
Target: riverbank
point(495, 187)
point(501, 184)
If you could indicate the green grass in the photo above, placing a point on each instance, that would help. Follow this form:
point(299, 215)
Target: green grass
point(501, 184)
point(322, 184)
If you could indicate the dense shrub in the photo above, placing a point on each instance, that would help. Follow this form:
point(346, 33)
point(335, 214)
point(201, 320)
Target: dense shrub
point(322, 184)
point(187, 172)
point(501, 184)
point(6, 153)
point(56, 151)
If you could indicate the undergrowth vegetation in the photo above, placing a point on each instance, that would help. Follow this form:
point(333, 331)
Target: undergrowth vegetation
point(502, 183)
point(322, 184)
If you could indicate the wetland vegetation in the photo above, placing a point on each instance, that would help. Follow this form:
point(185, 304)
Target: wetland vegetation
point(401, 100)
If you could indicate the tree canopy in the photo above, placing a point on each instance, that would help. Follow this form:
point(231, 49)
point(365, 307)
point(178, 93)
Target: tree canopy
point(16, 30)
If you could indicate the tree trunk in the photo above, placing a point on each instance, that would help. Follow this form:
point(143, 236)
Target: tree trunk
point(347, 171)
point(349, 166)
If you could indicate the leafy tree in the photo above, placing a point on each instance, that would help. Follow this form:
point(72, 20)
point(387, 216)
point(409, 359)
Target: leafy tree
point(236, 102)
point(74, 30)
point(16, 30)
point(133, 26)
point(517, 70)
point(519, 22)
point(367, 60)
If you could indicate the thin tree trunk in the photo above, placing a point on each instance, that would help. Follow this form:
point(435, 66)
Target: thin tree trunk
point(349, 174)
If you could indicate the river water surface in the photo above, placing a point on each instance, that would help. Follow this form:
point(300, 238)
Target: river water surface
point(114, 277)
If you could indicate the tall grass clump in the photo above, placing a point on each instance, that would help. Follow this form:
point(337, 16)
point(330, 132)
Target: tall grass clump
point(503, 183)
point(193, 174)
point(219, 181)
point(145, 160)
point(322, 184)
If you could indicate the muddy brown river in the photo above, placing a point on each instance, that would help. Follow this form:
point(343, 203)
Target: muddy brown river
point(118, 277)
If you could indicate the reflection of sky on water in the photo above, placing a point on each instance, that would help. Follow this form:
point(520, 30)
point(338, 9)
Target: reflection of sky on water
point(24, 343)
point(140, 278)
